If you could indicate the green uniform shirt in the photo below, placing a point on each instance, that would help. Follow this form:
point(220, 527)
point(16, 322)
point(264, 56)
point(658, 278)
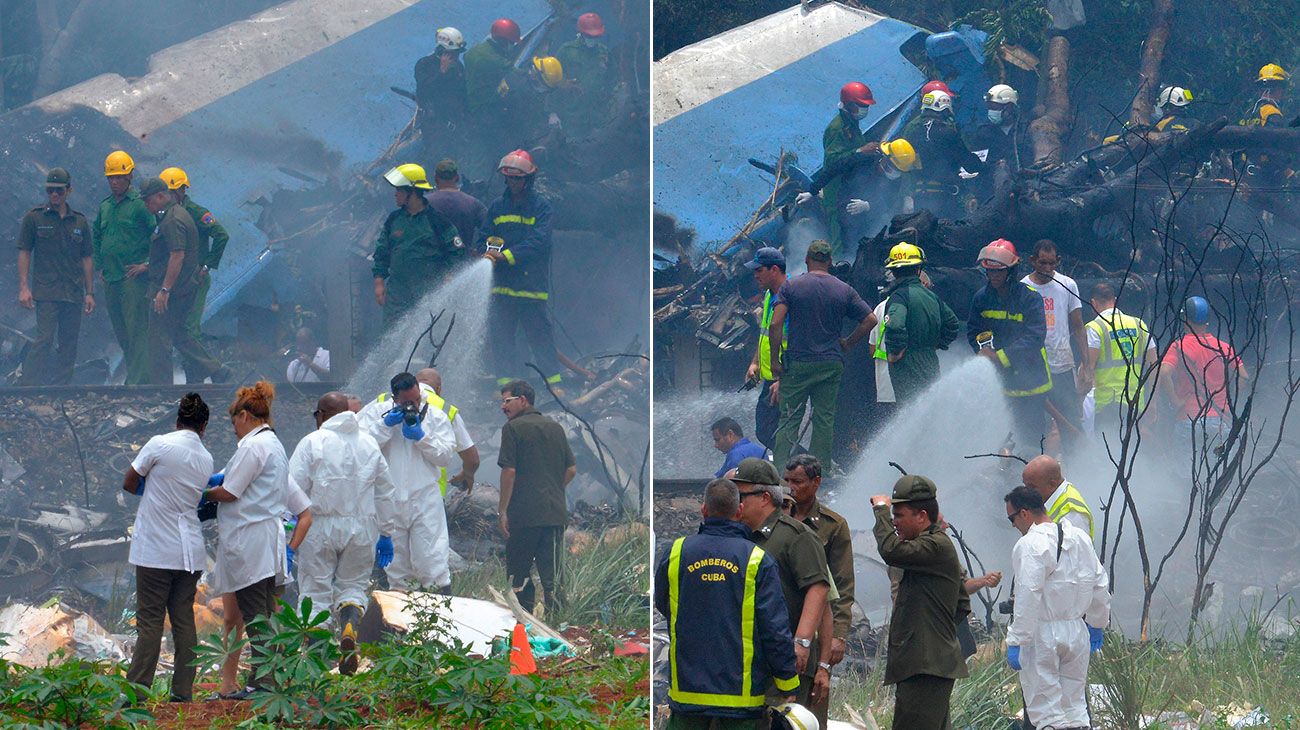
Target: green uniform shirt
point(121, 234)
point(536, 448)
point(176, 232)
point(212, 235)
point(841, 139)
point(58, 246)
point(916, 323)
point(833, 531)
point(801, 562)
point(485, 66)
point(588, 67)
point(414, 251)
point(931, 602)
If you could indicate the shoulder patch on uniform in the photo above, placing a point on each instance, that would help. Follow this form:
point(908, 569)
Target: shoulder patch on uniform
point(208, 219)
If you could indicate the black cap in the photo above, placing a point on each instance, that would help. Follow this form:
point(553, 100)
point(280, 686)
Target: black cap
point(766, 256)
point(57, 178)
point(152, 186)
point(757, 471)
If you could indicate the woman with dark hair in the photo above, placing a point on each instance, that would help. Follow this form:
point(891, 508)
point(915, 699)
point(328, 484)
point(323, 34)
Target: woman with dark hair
point(167, 543)
point(251, 492)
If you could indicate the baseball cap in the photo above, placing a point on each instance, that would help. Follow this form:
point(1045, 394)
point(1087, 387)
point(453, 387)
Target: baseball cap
point(766, 256)
point(757, 471)
point(152, 186)
point(58, 177)
point(819, 251)
point(912, 488)
point(446, 169)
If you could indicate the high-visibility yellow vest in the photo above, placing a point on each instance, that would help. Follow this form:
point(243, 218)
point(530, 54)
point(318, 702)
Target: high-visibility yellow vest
point(879, 353)
point(436, 402)
point(1070, 501)
point(1119, 358)
point(764, 349)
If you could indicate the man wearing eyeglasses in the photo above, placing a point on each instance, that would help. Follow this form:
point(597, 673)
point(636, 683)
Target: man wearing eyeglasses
point(1062, 604)
point(56, 278)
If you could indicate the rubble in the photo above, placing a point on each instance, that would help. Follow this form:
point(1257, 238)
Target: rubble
point(36, 633)
point(475, 623)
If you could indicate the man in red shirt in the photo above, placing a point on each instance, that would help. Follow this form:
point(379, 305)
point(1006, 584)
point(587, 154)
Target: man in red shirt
point(1194, 375)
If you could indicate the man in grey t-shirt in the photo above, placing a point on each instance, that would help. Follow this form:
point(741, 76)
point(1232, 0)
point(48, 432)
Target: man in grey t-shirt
point(817, 304)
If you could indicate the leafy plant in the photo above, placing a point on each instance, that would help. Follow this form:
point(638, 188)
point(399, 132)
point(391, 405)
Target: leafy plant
point(72, 692)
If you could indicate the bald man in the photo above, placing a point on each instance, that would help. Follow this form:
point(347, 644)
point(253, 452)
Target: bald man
point(1063, 500)
point(340, 468)
point(431, 385)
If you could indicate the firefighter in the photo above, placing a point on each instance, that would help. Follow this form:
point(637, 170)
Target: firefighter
point(530, 104)
point(212, 242)
point(486, 66)
point(440, 85)
point(417, 247)
point(842, 139)
point(1267, 170)
point(938, 144)
point(1170, 111)
point(586, 67)
point(915, 325)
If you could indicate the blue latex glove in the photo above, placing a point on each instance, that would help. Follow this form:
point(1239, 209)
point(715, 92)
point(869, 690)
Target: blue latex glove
point(384, 551)
point(1095, 638)
point(217, 479)
point(393, 417)
point(290, 553)
point(414, 431)
point(1013, 657)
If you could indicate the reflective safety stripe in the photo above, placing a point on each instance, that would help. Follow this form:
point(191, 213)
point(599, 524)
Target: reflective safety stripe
point(508, 292)
point(765, 349)
point(747, 611)
point(1070, 501)
point(438, 402)
point(505, 381)
point(513, 218)
point(1040, 389)
point(1002, 358)
point(879, 353)
point(1002, 314)
point(510, 257)
point(1124, 340)
point(554, 379)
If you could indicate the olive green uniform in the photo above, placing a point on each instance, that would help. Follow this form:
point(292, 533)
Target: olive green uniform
point(176, 232)
point(924, 657)
point(801, 562)
point(833, 531)
point(212, 244)
point(841, 139)
point(59, 246)
point(917, 324)
point(485, 66)
point(584, 102)
point(121, 238)
point(412, 255)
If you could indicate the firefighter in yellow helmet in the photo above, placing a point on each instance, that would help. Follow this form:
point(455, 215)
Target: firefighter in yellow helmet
point(1267, 170)
point(530, 101)
point(212, 242)
point(417, 245)
point(916, 324)
point(121, 235)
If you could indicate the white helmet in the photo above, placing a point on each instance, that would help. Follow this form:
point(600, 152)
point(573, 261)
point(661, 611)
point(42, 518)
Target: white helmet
point(1001, 94)
point(937, 101)
point(450, 39)
point(1174, 95)
point(792, 716)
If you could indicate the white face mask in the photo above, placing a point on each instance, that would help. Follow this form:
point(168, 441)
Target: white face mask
point(995, 116)
point(891, 172)
point(590, 42)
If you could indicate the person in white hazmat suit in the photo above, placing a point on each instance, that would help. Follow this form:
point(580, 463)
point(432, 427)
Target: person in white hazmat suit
point(340, 469)
point(417, 441)
point(1062, 603)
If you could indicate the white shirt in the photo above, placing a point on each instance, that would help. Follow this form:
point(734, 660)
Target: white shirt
point(1094, 339)
point(1060, 298)
point(884, 386)
point(414, 466)
point(340, 468)
point(167, 532)
point(1074, 518)
point(251, 537)
point(1050, 589)
point(300, 373)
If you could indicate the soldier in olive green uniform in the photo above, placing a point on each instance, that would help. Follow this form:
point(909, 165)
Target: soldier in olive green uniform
point(801, 563)
point(54, 252)
point(486, 66)
point(842, 139)
point(121, 244)
point(585, 99)
point(417, 247)
point(212, 243)
point(173, 284)
point(924, 658)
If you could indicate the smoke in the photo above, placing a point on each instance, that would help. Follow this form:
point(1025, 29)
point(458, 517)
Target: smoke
point(688, 418)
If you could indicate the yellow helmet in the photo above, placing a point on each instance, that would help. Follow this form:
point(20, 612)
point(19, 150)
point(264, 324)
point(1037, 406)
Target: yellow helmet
point(550, 69)
point(409, 175)
point(175, 178)
point(905, 254)
point(901, 153)
point(1272, 72)
point(118, 163)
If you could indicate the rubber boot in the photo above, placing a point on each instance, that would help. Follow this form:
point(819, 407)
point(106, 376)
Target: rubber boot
point(349, 619)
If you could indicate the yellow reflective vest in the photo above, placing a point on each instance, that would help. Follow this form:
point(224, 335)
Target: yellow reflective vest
point(765, 350)
point(1070, 501)
point(1124, 340)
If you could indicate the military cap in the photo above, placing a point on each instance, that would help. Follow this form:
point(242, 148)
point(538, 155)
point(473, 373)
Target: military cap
point(819, 251)
point(757, 471)
point(152, 186)
point(913, 488)
point(57, 178)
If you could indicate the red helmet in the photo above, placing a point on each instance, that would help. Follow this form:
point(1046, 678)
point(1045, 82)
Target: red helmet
point(517, 164)
point(506, 29)
point(590, 24)
point(856, 92)
point(936, 85)
point(999, 254)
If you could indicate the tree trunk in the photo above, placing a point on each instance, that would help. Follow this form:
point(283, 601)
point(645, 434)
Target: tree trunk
point(50, 75)
point(1050, 129)
point(1153, 53)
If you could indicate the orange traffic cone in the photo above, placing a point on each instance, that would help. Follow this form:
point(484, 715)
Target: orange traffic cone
point(521, 654)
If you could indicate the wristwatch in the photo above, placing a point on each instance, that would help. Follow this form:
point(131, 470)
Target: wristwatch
point(805, 643)
point(164, 290)
point(824, 665)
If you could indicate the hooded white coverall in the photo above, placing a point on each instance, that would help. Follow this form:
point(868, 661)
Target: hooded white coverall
point(1053, 599)
point(339, 467)
point(420, 545)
